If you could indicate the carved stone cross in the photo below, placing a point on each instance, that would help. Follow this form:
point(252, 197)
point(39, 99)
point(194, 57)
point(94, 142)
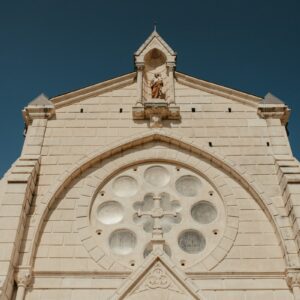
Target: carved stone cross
point(157, 213)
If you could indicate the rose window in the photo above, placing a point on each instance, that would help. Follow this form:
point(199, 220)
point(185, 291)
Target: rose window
point(173, 201)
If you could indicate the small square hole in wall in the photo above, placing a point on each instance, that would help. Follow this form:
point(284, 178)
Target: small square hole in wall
point(81, 110)
point(193, 109)
point(132, 263)
point(268, 144)
point(210, 144)
point(121, 110)
point(229, 109)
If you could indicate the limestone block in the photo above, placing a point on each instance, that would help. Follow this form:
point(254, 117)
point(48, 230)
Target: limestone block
point(9, 223)
point(7, 236)
point(10, 210)
point(259, 295)
point(251, 265)
point(61, 252)
point(258, 226)
point(4, 267)
point(6, 251)
point(62, 226)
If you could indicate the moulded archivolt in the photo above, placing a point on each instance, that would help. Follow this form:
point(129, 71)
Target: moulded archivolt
point(125, 186)
point(110, 212)
point(188, 185)
point(157, 176)
point(122, 241)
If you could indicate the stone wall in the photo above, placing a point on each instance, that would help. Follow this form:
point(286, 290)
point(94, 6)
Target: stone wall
point(83, 142)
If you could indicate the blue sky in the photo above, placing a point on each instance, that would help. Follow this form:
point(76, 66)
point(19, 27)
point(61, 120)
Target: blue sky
point(53, 46)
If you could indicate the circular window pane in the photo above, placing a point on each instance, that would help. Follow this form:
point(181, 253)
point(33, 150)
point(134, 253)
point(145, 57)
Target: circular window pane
point(110, 212)
point(188, 185)
point(125, 186)
point(191, 241)
point(204, 212)
point(122, 242)
point(157, 176)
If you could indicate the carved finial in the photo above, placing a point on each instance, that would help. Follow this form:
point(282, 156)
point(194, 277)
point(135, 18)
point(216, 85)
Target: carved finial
point(155, 25)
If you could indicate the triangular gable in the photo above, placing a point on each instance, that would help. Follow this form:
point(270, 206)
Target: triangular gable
point(119, 82)
point(154, 35)
point(158, 278)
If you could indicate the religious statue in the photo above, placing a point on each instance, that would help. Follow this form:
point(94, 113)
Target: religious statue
point(156, 87)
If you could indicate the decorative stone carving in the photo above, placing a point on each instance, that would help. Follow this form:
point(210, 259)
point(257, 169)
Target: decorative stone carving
point(156, 111)
point(293, 278)
point(156, 87)
point(158, 278)
point(23, 277)
point(133, 210)
point(155, 65)
point(157, 214)
point(293, 281)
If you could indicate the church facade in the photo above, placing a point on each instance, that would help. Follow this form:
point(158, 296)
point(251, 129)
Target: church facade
point(151, 185)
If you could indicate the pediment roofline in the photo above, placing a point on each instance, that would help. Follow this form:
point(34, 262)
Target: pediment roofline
point(218, 90)
point(93, 90)
point(152, 36)
point(179, 277)
point(120, 81)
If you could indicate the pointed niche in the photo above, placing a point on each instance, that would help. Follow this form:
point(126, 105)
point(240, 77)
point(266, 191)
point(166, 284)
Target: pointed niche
point(155, 63)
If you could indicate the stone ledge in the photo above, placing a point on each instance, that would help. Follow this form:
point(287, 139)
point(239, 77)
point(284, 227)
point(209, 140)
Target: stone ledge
point(156, 111)
point(274, 111)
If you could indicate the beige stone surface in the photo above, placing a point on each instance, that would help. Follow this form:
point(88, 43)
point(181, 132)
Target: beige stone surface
point(229, 149)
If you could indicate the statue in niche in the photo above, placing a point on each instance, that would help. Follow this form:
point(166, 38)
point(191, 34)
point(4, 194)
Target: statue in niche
point(156, 87)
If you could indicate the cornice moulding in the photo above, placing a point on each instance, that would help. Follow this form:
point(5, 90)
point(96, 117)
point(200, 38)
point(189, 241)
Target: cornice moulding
point(218, 90)
point(93, 90)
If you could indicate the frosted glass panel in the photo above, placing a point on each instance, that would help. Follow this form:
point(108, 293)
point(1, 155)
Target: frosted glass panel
point(110, 212)
point(125, 186)
point(191, 241)
point(157, 176)
point(204, 212)
point(188, 186)
point(122, 241)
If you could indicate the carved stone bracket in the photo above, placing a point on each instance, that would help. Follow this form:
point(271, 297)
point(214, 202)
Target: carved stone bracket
point(156, 111)
point(293, 278)
point(23, 276)
point(293, 281)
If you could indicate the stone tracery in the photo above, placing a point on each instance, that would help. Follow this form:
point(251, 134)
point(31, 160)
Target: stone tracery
point(168, 211)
